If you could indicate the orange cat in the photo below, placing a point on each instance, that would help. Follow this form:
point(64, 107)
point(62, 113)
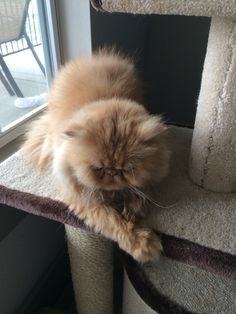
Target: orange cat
point(103, 147)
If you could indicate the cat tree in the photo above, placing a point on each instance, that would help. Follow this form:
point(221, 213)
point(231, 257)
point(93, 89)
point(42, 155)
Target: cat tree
point(205, 218)
point(198, 270)
point(212, 162)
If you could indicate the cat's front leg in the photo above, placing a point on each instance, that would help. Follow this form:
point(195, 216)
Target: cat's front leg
point(142, 243)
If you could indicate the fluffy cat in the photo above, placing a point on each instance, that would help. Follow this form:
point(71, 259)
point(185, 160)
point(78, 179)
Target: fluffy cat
point(103, 147)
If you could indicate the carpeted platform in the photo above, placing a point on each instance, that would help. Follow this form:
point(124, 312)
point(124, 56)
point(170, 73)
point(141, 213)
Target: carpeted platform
point(198, 230)
point(188, 211)
point(185, 7)
point(171, 287)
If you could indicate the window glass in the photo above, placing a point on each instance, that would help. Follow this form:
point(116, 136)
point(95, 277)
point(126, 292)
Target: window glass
point(24, 67)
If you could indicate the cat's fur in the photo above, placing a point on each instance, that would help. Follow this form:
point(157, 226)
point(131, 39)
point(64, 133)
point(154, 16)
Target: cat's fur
point(103, 147)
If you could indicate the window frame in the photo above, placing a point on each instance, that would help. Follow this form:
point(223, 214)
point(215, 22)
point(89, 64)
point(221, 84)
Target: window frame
point(50, 35)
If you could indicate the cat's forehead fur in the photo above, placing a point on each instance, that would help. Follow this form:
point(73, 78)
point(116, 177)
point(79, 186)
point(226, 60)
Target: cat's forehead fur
point(113, 124)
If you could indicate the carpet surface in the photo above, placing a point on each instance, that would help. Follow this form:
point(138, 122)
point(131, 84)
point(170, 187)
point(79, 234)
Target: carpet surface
point(170, 287)
point(91, 260)
point(190, 212)
point(212, 163)
point(198, 230)
point(192, 288)
point(226, 8)
point(186, 210)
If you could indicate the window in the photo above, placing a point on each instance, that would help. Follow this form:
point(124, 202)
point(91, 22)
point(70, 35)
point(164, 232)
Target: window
point(28, 57)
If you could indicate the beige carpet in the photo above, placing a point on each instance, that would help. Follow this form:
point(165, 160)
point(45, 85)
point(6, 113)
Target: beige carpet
point(198, 229)
point(225, 8)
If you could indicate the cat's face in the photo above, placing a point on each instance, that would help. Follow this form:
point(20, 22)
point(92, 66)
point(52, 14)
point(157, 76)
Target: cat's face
point(115, 144)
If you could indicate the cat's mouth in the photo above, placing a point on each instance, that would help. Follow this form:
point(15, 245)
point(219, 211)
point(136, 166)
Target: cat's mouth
point(112, 184)
point(119, 200)
point(116, 199)
point(126, 202)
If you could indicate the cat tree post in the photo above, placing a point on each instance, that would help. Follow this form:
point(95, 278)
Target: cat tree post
point(212, 161)
point(92, 274)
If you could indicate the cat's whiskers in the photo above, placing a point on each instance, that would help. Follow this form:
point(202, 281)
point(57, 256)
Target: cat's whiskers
point(144, 196)
point(138, 192)
point(147, 198)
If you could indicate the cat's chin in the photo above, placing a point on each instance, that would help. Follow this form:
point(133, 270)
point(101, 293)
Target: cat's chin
point(112, 188)
point(108, 187)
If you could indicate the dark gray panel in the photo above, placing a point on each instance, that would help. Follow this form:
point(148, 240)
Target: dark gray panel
point(176, 52)
point(25, 254)
point(9, 218)
point(127, 32)
point(170, 52)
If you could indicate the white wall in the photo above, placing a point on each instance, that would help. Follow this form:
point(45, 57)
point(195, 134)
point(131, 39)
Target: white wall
point(74, 28)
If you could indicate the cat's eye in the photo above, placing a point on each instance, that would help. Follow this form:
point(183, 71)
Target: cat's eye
point(98, 169)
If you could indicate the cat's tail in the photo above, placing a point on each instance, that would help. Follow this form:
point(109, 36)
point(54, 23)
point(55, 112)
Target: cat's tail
point(38, 145)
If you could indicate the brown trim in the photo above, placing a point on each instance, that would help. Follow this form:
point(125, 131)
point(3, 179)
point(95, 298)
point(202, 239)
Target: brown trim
point(40, 206)
point(148, 293)
point(175, 248)
point(208, 259)
point(97, 5)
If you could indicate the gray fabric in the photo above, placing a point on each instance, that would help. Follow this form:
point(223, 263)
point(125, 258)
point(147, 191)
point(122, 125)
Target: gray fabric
point(201, 216)
point(194, 289)
point(18, 173)
point(180, 7)
point(213, 163)
point(132, 303)
point(91, 262)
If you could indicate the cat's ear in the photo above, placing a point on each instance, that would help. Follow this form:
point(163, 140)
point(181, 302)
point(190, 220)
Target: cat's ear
point(151, 128)
point(72, 131)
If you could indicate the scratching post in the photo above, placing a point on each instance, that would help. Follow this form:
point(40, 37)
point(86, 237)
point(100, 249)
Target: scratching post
point(92, 275)
point(212, 162)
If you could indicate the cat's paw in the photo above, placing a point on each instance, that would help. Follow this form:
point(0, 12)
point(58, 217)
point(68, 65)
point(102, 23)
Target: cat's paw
point(147, 245)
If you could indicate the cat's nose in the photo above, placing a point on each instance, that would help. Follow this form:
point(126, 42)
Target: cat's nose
point(112, 172)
